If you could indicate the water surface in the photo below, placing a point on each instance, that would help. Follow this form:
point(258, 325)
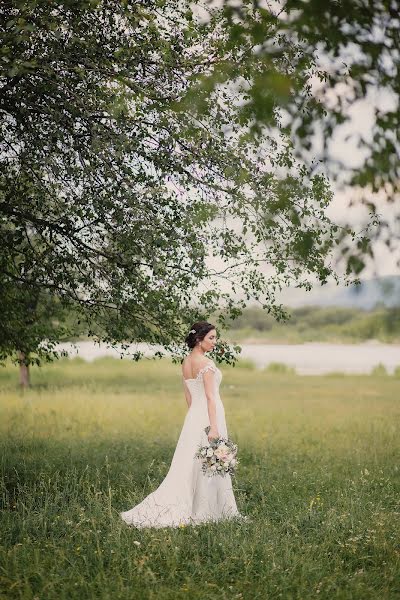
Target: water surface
point(311, 358)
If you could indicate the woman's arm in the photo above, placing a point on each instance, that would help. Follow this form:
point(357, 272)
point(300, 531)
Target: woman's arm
point(208, 379)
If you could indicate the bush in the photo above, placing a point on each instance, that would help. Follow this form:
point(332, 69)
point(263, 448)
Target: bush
point(379, 370)
point(279, 368)
point(245, 363)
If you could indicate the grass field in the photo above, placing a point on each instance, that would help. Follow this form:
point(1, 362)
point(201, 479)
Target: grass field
point(319, 478)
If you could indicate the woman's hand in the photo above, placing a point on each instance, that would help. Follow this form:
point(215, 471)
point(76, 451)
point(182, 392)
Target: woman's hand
point(213, 434)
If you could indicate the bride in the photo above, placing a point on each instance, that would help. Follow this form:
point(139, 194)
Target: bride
point(187, 495)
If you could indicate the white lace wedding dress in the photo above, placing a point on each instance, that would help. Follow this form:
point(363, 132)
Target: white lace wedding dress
point(187, 496)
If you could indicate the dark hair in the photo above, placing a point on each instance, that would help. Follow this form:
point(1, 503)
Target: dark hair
point(201, 329)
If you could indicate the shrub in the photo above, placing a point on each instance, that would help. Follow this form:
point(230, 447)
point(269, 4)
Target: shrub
point(379, 370)
point(245, 363)
point(279, 368)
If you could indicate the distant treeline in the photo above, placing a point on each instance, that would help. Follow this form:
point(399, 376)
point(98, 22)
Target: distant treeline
point(306, 324)
point(312, 323)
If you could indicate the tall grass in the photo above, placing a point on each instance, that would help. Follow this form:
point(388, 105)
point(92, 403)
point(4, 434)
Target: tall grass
point(319, 478)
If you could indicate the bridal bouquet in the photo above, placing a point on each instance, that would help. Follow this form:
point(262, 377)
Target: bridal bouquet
point(219, 458)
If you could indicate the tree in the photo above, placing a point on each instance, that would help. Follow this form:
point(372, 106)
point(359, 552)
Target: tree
point(32, 323)
point(114, 194)
point(308, 65)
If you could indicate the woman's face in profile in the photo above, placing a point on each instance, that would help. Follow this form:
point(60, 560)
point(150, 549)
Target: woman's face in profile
point(209, 341)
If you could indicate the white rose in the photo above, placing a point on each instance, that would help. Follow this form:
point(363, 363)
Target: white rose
point(213, 467)
point(210, 452)
point(226, 464)
point(203, 452)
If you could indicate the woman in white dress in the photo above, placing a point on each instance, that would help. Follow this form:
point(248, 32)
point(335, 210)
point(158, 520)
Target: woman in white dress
point(186, 495)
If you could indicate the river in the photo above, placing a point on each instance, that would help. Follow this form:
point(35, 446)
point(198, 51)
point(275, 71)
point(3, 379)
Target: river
point(307, 359)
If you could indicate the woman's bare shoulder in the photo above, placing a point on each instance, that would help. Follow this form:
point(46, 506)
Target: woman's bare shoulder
point(205, 363)
point(191, 368)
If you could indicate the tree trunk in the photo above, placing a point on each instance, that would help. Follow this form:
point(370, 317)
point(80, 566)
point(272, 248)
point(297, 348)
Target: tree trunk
point(24, 379)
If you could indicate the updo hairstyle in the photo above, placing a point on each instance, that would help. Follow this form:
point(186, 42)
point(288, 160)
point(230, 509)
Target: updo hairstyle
point(201, 329)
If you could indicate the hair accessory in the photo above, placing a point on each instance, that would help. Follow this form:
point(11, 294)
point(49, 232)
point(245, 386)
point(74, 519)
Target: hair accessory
point(192, 331)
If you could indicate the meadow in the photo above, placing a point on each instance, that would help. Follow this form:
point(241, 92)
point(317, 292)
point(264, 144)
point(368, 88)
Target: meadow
point(319, 478)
